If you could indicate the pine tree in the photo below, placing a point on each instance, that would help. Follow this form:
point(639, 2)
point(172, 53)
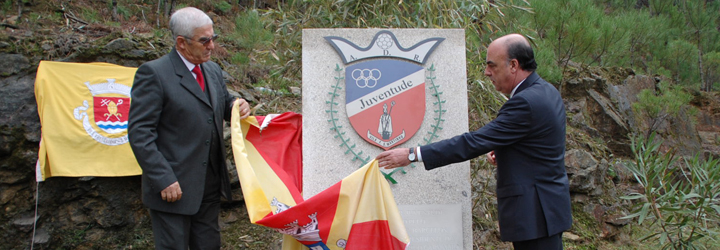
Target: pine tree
point(699, 17)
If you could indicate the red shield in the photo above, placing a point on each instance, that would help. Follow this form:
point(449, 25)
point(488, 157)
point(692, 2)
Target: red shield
point(111, 113)
point(385, 100)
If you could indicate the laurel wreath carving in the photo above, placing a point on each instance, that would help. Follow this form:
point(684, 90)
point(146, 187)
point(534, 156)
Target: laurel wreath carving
point(350, 147)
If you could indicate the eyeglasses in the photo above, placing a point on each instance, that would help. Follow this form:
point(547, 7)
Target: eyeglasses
point(203, 40)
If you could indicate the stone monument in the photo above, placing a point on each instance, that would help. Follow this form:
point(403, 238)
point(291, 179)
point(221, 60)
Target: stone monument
point(368, 90)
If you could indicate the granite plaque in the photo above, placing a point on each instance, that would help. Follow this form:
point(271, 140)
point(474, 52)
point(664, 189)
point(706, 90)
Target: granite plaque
point(433, 227)
point(368, 90)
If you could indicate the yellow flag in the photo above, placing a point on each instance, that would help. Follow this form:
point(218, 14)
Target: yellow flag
point(83, 110)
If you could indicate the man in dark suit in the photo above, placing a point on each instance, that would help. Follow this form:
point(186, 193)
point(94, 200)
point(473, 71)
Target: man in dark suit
point(179, 102)
point(527, 143)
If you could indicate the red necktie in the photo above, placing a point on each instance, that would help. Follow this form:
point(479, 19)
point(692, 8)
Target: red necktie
point(199, 77)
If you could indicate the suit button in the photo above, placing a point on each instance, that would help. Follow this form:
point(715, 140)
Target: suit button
point(209, 120)
point(205, 164)
point(207, 142)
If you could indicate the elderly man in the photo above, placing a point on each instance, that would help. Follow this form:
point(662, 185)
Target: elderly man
point(179, 102)
point(527, 143)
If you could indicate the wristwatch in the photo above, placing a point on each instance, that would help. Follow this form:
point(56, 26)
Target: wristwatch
point(412, 157)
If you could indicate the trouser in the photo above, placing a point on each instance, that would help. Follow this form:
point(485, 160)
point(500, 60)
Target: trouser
point(553, 242)
point(198, 231)
point(180, 232)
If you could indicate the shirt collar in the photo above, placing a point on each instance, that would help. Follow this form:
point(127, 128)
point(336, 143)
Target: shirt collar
point(516, 87)
point(188, 64)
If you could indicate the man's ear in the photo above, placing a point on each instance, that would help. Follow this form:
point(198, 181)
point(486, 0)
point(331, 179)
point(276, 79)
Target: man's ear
point(514, 65)
point(180, 42)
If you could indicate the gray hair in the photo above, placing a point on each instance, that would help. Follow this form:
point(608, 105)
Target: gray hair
point(184, 21)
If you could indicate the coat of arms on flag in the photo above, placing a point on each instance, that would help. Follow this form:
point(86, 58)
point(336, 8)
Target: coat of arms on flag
point(385, 87)
point(111, 104)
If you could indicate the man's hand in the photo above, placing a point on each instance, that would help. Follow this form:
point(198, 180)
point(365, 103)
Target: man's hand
point(491, 157)
point(172, 193)
point(244, 108)
point(393, 158)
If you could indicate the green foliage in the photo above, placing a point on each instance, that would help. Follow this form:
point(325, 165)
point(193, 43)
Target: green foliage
point(573, 31)
point(546, 58)
point(250, 31)
point(90, 15)
point(255, 40)
point(712, 68)
point(639, 46)
point(223, 7)
point(239, 58)
point(652, 37)
point(681, 60)
point(700, 17)
point(123, 11)
point(7, 5)
point(681, 200)
point(568, 28)
point(679, 34)
point(660, 106)
point(481, 20)
point(609, 32)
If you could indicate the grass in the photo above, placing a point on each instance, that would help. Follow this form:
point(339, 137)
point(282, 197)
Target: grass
point(241, 234)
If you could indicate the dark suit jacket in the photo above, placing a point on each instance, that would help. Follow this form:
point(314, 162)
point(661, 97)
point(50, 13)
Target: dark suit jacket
point(171, 122)
point(528, 137)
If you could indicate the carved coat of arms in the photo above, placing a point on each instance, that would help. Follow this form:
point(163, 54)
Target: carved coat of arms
point(385, 87)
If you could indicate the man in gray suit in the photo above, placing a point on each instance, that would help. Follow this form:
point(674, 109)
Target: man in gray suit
point(527, 143)
point(179, 102)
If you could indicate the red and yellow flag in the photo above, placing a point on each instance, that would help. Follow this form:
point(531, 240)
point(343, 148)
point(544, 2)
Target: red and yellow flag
point(359, 212)
point(83, 110)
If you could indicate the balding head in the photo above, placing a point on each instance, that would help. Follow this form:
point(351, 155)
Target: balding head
point(517, 47)
point(512, 38)
point(510, 59)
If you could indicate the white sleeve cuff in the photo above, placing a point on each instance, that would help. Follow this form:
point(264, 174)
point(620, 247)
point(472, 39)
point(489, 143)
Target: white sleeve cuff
point(419, 155)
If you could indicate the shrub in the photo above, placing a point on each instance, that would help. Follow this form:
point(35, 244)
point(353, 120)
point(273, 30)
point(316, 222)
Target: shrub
point(682, 200)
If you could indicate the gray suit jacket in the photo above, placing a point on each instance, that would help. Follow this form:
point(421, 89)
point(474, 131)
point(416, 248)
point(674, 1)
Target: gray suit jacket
point(171, 122)
point(528, 137)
